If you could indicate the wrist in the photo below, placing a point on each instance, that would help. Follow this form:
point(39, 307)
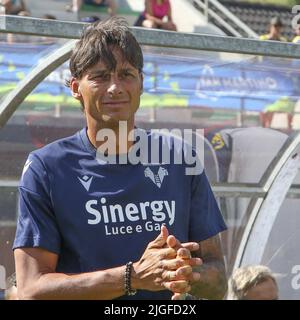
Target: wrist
point(135, 279)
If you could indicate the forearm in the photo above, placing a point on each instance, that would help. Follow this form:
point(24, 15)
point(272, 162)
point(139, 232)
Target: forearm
point(37, 279)
point(154, 19)
point(169, 15)
point(213, 281)
point(98, 285)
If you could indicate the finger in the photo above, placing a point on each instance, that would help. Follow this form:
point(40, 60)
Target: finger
point(192, 246)
point(172, 242)
point(167, 253)
point(164, 230)
point(184, 273)
point(177, 296)
point(194, 262)
point(180, 286)
point(161, 239)
point(191, 277)
point(170, 276)
point(173, 264)
point(184, 253)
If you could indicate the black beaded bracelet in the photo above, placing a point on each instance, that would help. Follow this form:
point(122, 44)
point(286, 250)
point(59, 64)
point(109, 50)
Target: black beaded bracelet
point(127, 280)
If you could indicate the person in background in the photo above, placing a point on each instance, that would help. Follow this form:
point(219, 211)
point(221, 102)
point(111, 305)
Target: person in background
point(13, 6)
point(274, 31)
point(252, 283)
point(284, 105)
point(296, 39)
point(110, 4)
point(20, 38)
point(158, 15)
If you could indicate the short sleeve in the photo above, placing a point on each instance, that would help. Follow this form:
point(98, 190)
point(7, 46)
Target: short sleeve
point(36, 226)
point(206, 218)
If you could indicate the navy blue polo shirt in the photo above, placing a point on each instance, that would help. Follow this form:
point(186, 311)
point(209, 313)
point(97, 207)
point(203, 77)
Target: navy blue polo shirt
point(97, 215)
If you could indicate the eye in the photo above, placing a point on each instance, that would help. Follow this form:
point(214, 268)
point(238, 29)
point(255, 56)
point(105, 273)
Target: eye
point(127, 74)
point(101, 77)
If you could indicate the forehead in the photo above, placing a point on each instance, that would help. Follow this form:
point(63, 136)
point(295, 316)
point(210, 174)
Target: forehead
point(266, 290)
point(120, 59)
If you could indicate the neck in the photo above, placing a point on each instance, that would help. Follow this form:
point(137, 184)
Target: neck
point(274, 35)
point(112, 138)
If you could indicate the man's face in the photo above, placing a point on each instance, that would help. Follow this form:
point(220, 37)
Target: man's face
point(266, 290)
point(276, 29)
point(110, 96)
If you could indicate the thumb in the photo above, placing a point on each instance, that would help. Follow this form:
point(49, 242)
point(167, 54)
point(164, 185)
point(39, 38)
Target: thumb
point(177, 296)
point(161, 239)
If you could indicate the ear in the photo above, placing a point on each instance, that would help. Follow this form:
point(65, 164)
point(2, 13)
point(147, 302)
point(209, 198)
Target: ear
point(75, 89)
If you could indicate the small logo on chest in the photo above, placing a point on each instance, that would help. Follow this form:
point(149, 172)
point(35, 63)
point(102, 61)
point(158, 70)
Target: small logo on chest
point(158, 178)
point(86, 182)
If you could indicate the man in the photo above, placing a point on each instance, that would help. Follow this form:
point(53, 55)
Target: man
point(275, 31)
point(252, 283)
point(86, 224)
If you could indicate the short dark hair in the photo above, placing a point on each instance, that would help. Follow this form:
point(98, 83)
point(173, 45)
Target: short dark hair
point(276, 21)
point(49, 16)
point(97, 42)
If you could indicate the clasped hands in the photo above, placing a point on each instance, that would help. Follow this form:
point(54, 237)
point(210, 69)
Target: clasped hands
point(166, 264)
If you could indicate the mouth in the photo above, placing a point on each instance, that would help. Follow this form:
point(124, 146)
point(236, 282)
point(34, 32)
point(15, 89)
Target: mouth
point(115, 103)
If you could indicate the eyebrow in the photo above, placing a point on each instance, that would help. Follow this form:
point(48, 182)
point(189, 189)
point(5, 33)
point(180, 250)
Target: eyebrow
point(98, 73)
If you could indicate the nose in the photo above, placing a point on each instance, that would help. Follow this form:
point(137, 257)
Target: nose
point(115, 87)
